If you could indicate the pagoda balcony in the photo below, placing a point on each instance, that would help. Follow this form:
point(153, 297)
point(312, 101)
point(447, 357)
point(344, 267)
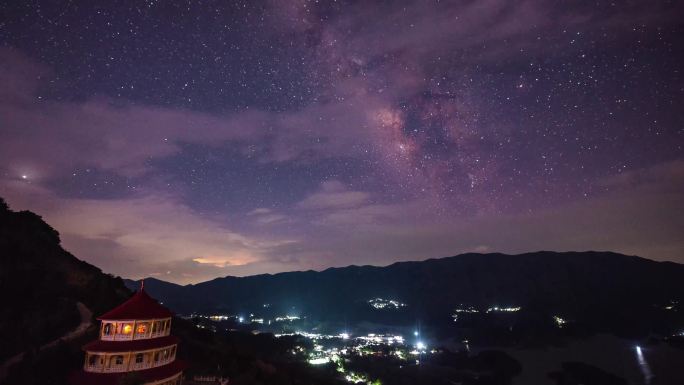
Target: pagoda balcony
point(133, 336)
point(128, 365)
point(169, 374)
point(148, 365)
point(117, 337)
point(127, 330)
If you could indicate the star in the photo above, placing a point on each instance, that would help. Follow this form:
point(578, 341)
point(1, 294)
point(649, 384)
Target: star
point(233, 109)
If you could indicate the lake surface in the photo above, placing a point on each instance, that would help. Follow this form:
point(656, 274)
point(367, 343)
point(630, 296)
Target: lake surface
point(656, 364)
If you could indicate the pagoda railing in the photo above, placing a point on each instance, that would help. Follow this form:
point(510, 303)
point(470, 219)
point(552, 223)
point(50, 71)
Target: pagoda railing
point(133, 336)
point(159, 334)
point(133, 366)
point(143, 365)
point(117, 337)
point(148, 365)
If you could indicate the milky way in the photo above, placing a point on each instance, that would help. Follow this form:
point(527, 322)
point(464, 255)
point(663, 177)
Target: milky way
point(188, 141)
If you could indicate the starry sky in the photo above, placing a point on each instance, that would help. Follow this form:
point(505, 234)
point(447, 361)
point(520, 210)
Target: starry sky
point(191, 140)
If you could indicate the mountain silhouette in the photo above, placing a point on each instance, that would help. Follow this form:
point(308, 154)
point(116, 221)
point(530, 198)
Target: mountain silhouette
point(603, 289)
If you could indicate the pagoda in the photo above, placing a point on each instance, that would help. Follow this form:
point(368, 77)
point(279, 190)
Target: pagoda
point(135, 341)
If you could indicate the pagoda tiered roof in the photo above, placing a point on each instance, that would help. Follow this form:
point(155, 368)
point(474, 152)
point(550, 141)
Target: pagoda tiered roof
point(139, 307)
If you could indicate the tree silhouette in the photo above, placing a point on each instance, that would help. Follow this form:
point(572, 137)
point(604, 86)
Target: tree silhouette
point(4, 207)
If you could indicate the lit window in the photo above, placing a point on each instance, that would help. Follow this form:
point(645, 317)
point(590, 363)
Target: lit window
point(127, 329)
point(142, 328)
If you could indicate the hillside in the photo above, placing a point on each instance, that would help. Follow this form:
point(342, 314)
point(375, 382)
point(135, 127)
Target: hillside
point(40, 283)
point(597, 288)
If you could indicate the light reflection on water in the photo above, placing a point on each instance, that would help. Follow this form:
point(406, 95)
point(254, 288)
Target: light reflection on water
point(643, 365)
point(609, 353)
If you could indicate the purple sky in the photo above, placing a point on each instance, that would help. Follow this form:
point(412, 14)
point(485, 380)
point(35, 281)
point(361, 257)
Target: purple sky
point(187, 142)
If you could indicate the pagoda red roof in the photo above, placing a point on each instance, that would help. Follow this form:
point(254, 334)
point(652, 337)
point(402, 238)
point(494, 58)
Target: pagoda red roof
point(130, 346)
point(148, 375)
point(139, 307)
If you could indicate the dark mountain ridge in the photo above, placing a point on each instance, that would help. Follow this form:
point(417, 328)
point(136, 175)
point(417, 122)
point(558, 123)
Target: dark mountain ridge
point(41, 283)
point(600, 287)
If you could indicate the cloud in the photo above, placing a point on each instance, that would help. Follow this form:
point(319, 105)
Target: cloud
point(260, 211)
point(155, 234)
point(421, 33)
point(384, 233)
point(663, 177)
point(266, 216)
point(56, 137)
point(52, 138)
point(374, 70)
point(333, 195)
point(142, 235)
point(20, 76)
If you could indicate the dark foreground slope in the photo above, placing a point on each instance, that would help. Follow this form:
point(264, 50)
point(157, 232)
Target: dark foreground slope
point(606, 290)
point(40, 285)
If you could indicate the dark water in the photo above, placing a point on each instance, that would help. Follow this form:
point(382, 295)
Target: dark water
point(657, 364)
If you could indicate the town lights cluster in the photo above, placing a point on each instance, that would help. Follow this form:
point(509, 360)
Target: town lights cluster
point(462, 309)
point(241, 319)
point(503, 309)
point(381, 303)
point(329, 349)
point(559, 321)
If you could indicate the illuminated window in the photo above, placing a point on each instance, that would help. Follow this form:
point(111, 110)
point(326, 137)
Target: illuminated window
point(142, 328)
point(127, 329)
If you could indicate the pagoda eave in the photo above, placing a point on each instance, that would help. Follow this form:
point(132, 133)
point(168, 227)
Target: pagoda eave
point(139, 307)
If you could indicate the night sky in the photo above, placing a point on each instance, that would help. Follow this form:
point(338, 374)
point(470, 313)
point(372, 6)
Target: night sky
point(190, 140)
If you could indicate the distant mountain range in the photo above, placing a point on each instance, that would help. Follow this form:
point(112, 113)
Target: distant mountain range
point(598, 288)
point(41, 283)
